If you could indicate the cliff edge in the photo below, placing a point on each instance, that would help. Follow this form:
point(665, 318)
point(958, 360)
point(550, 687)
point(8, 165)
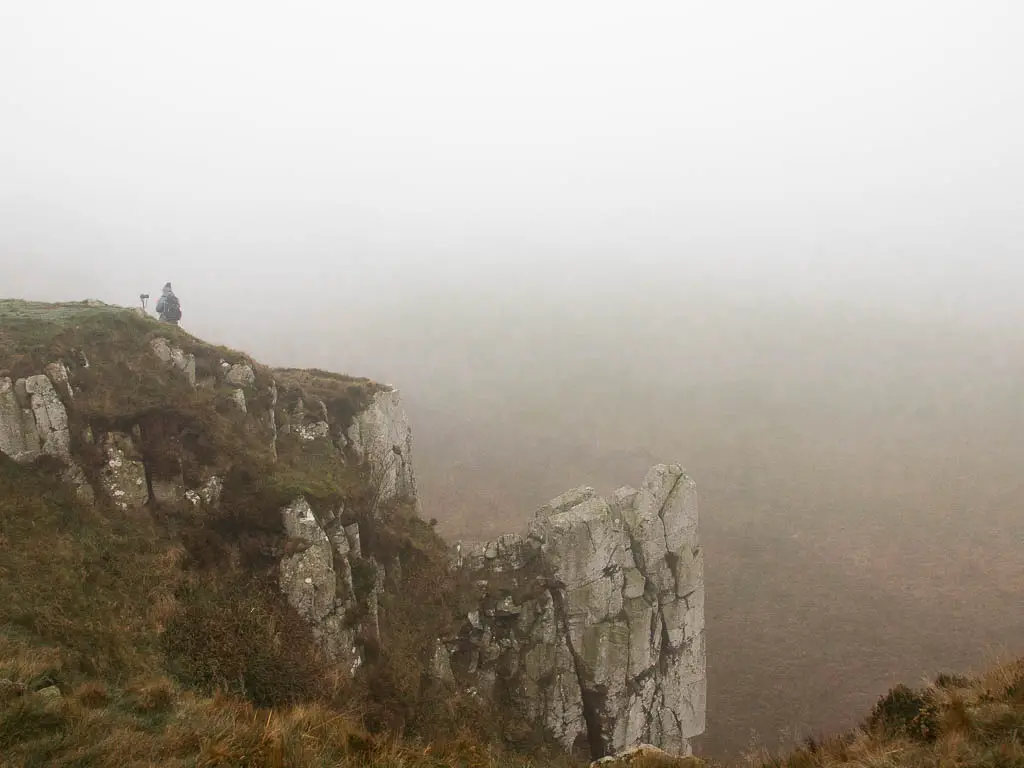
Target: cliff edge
point(255, 530)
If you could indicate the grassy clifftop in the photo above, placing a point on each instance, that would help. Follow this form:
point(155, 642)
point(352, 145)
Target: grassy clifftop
point(118, 378)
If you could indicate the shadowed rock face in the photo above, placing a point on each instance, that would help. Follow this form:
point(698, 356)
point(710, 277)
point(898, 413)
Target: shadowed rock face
point(592, 625)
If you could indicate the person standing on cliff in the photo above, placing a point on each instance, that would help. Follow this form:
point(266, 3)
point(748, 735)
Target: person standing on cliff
point(168, 307)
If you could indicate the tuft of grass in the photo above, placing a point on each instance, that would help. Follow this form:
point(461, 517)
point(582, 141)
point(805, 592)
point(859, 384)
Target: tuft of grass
point(905, 712)
point(150, 697)
point(951, 682)
point(92, 694)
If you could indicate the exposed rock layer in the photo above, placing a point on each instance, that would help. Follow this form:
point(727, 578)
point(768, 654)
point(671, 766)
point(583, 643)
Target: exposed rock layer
point(35, 422)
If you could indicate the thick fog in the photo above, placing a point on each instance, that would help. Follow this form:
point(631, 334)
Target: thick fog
point(244, 149)
point(780, 242)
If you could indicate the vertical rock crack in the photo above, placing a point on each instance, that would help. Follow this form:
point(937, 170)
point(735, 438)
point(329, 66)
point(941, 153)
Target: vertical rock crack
point(588, 698)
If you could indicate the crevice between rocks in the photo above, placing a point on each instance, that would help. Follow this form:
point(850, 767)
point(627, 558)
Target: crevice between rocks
point(147, 472)
point(589, 699)
point(671, 558)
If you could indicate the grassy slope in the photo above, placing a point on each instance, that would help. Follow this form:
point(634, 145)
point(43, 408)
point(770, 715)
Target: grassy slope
point(164, 633)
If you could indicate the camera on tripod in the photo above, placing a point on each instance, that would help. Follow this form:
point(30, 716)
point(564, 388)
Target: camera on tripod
point(142, 298)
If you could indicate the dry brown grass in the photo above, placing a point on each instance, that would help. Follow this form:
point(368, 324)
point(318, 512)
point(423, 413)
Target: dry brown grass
point(237, 633)
point(180, 729)
point(979, 723)
point(92, 695)
point(84, 591)
point(155, 722)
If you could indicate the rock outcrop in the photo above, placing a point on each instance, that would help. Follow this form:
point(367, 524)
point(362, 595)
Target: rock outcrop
point(50, 415)
point(176, 358)
point(123, 476)
point(589, 628)
point(646, 756)
point(325, 575)
point(377, 437)
point(34, 422)
point(592, 625)
point(240, 375)
point(380, 435)
point(19, 437)
point(317, 576)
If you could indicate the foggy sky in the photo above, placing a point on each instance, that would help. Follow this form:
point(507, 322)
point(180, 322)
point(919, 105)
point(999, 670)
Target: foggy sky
point(347, 155)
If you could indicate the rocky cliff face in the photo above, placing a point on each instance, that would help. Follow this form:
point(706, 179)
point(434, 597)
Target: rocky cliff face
point(35, 422)
point(592, 624)
point(318, 582)
point(346, 441)
point(381, 436)
point(587, 629)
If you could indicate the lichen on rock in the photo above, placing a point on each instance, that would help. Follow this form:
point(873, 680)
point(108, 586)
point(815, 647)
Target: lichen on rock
point(238, 397)
point(240, 375)
point(307, 577)
point(124, 475)
point(310, 573)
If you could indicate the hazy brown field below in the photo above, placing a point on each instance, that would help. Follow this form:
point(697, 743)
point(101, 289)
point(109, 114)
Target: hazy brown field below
point(862, 508)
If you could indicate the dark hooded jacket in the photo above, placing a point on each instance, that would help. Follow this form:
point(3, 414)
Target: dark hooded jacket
point(168, 307)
